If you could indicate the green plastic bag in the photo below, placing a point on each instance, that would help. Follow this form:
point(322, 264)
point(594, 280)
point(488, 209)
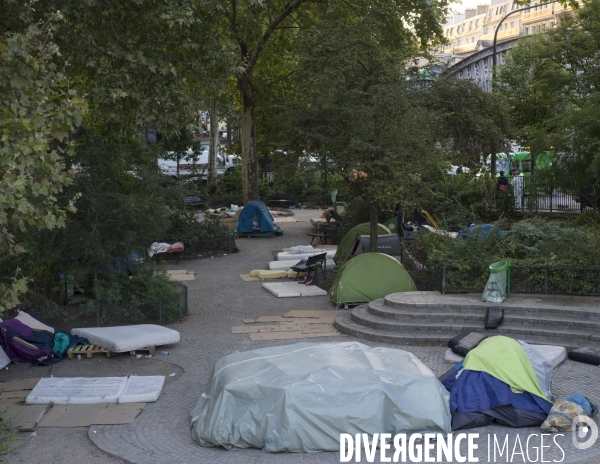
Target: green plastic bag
point(497, 288)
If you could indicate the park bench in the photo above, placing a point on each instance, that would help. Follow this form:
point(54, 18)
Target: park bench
point(313, 263)
point(281, 199)
point(196, 202)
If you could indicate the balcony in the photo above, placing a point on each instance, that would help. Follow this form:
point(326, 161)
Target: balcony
point(502, 35)
point(544, 13)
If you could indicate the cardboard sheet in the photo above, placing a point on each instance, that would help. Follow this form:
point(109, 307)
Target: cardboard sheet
point(317, 328)
point(276, 335)
point(311, 313)
point(182, 277)
point(71, 415)
point(84, 415)
point(264, 328)
point(25, 384)
point(14, 394)
point(29, 417)
point(248, 278)
point(119, 414)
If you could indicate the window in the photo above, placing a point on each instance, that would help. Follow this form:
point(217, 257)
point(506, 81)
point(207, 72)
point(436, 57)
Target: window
point(551, 24)
point(512, 24)
point(458, 42)
point(476, 23)
point(526, 31)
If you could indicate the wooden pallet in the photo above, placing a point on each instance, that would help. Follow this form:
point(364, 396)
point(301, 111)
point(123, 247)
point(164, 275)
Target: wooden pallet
point(88, 350)
point(150, 349)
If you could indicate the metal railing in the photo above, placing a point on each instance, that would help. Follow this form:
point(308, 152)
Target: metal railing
point(541, 279)
point(543, 194)
point(162, 311)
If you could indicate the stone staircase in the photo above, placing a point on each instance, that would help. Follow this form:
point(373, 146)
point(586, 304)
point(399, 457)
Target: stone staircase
point(430, 318)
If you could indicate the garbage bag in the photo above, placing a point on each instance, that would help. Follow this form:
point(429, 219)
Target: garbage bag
point(494, 317)
point(586, 355)
point(496, 289)
point(469, 342)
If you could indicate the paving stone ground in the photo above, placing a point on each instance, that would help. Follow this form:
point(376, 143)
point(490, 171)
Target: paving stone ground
point(219, 299)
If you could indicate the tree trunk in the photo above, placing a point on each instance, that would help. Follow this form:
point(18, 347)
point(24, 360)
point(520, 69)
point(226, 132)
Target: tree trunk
point(493, 164)
point(178, 158)
point(229, 137)
point(374, 222)
point(212, 145)
point(249, 161)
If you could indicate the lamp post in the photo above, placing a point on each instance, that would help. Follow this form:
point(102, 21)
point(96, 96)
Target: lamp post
point(494, 60)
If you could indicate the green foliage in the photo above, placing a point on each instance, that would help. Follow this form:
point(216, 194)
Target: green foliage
point(550, 82)
point(148, 283)
point(38, 109)
point(8, 436)
point(532, 243)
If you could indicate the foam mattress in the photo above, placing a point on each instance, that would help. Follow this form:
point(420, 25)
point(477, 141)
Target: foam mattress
point(283, 265)
point(142, 389)
point(96, 390)
point(77, 390)
point(553, 354)
point(286, 256)
point(128, 337)
point(293, 289)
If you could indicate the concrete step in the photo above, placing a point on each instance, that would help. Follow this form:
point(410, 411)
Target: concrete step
point(362, 316)
point(452, 316)
point(410, 335)
point(428, 302)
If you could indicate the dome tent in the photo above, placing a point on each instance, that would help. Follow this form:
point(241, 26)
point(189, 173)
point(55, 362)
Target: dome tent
point(388, 244)
point(347, 243)
point(370, 276)
point(265, 227)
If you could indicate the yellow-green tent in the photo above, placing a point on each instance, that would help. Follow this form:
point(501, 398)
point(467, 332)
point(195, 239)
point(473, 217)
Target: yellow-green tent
point(347, 243)
point(368, 277)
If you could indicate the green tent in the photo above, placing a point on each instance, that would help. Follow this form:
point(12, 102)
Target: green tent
point(370, 276)
point(392, 224)
point(347, 243)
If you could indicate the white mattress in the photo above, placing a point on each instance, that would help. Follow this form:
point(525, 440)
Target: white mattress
point(128, 337)
point(451, 357)
point(142, 389)
point(292, 289)
point(4, 359)
point(77, 390)
point(286, 256)
point(283, 265)
point(553, 354)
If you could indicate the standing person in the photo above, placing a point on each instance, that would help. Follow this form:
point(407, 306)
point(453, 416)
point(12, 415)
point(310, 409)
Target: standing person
point(515, 171)
point(517, 183)
point(502, 182)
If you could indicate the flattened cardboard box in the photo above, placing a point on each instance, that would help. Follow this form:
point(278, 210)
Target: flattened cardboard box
point(84, 415)
point(25, 384)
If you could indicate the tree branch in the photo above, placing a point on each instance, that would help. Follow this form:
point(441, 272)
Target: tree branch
point(270, 29)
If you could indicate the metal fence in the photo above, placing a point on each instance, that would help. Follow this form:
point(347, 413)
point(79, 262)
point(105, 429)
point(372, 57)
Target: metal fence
point(162, 311)
point(564, 280)
point(544, 194)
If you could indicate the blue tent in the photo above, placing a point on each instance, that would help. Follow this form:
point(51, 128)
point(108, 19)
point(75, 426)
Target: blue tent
point(485, 230)
point(265, 225)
